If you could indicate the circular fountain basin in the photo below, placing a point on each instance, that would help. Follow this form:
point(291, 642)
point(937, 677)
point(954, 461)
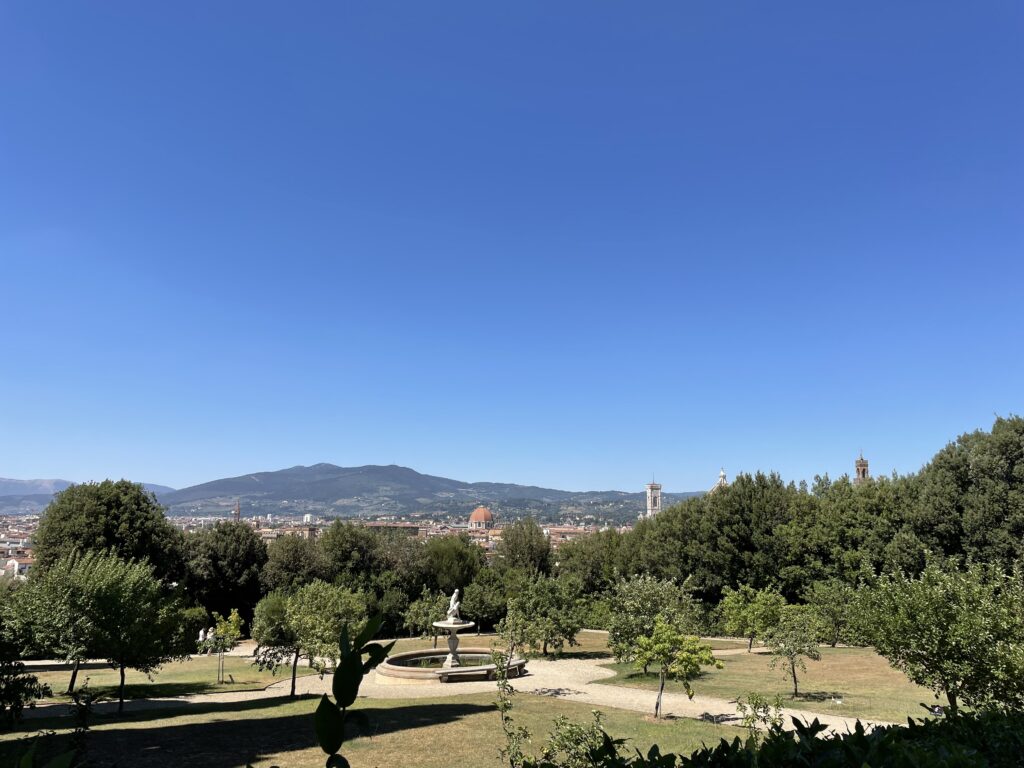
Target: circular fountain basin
point(427, 667)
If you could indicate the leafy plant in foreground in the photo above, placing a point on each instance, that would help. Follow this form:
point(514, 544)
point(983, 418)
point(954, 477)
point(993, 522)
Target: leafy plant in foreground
point(331, 716)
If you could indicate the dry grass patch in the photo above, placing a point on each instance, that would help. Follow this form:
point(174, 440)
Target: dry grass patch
point(194, 676)
point(459, 732)
point(868, 686)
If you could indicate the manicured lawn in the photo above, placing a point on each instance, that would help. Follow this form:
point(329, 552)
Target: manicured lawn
point(457, 732)
point(869, 687)
point(197, 675)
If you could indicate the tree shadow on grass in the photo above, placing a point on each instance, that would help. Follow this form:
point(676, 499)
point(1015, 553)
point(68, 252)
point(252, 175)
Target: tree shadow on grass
point(229, 740)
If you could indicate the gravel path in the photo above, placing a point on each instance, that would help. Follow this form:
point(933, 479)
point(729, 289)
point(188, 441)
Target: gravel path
point(570, 679)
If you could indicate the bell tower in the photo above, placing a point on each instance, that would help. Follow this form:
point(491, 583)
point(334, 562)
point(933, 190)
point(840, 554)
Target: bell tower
point(861, 469)
point(653, 499)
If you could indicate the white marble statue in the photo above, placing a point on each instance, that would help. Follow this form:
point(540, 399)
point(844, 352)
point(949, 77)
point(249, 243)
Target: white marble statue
point(453, 607)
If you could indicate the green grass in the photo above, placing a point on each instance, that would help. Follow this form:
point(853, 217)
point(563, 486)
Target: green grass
point(194, 676)
point(457, 732)
point(869, 687)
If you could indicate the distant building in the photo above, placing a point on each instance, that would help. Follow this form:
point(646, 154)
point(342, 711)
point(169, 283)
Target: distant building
point(860, 467)
point(720, 483)
point(18, 567)
point(653, 499)
point(481, 518)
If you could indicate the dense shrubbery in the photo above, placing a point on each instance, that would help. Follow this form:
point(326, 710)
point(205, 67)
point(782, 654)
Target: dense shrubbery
point(982, 740)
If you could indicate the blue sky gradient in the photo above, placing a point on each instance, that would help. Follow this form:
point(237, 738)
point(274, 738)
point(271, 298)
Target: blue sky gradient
point(570, 245)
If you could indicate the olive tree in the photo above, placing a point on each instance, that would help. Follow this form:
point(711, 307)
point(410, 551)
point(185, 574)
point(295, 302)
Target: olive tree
point(794, 639)
point(677, 655)
point(634, 605)
point(955, 631)
point(304, 624)
point(751, 613)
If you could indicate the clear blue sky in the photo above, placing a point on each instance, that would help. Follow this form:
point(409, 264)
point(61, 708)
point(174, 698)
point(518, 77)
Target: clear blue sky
point(569, 244)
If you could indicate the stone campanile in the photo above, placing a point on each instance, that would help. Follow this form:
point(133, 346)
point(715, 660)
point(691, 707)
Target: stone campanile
point(653, 499)
point(861, 469)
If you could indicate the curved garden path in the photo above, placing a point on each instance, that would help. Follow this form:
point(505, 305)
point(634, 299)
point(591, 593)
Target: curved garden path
point(570, 679)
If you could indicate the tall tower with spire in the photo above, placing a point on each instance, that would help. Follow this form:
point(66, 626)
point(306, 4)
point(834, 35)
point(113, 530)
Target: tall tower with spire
point(721, 483)
point(861, 470)
point(653, 499)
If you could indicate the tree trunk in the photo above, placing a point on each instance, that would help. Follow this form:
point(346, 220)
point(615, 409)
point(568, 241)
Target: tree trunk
point(74, 677)
point(792, 670)
point(951, 698)
point(661, 690)
point(750, 644)
point(295, 667)
point(544, 650)
point(120, 693)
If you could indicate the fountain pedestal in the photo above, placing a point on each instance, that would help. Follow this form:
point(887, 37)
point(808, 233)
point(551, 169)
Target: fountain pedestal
point(452, 627)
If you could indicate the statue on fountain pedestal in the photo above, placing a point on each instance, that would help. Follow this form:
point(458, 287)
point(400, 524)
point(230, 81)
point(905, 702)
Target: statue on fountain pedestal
point(453, 607)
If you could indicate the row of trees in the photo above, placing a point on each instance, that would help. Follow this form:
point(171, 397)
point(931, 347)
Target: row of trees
point(967, 502)
point(96, 605)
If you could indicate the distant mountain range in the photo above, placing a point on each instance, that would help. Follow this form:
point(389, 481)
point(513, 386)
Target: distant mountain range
point(25, 497)
point(326, 489)
point(368, 490)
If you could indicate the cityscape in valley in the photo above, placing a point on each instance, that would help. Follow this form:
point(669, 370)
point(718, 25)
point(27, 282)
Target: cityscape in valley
point(292, 502)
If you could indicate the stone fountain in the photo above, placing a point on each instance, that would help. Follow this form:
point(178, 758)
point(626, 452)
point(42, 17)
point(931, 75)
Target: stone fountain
point(432, 666)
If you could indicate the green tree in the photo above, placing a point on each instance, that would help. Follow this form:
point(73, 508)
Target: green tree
point(793, 639)
point(677, 655)
point(223, 568)
point(121, 517)
point(18, 686)
point(553, 611)
point(635, 604)
point(57, 605)
point(304, 624)
point(524, 545)
point(292, 561)
point(485, 600)
point(833, 603)
point(226, 634)
point(423, 612)
point(957, 632)
point(751, 614)
point(317, 612)
point(351, 554)
point(593, 558)
point(136, 626)
point(453, 561)
point(389, 599)
point(276, 641)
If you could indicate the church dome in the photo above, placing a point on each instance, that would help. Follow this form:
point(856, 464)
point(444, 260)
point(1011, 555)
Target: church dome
point(481, 518)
